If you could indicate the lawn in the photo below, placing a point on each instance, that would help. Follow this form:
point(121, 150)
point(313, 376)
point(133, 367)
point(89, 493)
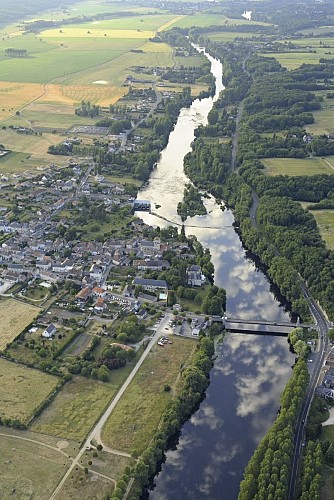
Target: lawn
point(77, 407)
point(325, 221)
point(296, 166)
point(22, 390)
point(29, 470)
point(136, 417)
point(15, 316)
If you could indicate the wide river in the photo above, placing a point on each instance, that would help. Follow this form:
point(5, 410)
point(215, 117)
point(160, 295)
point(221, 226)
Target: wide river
point(250, 371)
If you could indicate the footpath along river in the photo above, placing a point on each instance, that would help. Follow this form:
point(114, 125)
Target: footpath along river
point(250, 372)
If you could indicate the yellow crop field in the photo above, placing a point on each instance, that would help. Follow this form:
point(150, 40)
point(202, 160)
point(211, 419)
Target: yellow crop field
point(99, 93)
point(170, 23)
point(14, 317)
point(14, 95)
point(94, 33)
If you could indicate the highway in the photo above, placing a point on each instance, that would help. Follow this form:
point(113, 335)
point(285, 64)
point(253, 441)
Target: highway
point(323, 327)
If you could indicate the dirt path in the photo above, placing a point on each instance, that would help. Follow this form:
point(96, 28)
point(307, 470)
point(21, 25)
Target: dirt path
point(36, 442)
point(95, 434)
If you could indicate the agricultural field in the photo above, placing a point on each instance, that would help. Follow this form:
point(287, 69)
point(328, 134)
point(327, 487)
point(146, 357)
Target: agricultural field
point(292, 60)
point(322, 47)
point(137, 414)
point(209, 20)
point(22, 390)
point(228, 36)
point(115, 72)
point(15, 316)
point(148, 23)
point(296, 166)
point(20, 459)
point(77, 407)
point(325, 222)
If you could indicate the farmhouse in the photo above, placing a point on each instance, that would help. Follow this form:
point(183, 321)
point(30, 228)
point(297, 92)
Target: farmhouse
point(49, 332)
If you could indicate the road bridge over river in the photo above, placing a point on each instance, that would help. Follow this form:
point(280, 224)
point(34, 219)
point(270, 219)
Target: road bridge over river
point(260, 326)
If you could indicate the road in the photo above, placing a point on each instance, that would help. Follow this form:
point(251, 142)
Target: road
point(318, 363)
point(95, 434)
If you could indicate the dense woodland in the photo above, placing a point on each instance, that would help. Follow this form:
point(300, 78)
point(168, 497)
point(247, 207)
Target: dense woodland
point(285, 237)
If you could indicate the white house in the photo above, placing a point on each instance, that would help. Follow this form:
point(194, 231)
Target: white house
point(49, 332)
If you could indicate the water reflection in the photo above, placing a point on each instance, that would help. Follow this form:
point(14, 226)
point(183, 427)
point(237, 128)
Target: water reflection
point(250, 371)
point(241, 404)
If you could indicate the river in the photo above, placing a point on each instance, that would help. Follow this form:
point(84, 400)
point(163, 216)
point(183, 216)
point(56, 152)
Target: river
point(250, 371)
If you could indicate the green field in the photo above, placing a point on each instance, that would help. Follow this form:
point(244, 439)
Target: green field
point(292, 60)
point(77, 407)
point(142, 23)
point(325, 221)
point(228, 36)
point(115, 72)
point(22, 390)
point(29, 470)
point(210, 20)
point(296, 166)
point(137, 415)
point(324, 122)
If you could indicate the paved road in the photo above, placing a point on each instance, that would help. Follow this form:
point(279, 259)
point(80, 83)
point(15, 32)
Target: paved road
point(95, 434)
point(318, 363)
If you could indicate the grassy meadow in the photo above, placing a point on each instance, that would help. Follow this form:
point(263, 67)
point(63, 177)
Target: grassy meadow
point(22, 390)
point(325, 222)
point(137, 414)
point(20, 459)
point(296, 166)
point(319, 48)
point(324, 123)
point(78, 406)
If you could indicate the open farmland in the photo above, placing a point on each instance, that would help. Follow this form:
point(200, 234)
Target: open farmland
point(22, 390)
point(115, 72)
point(318, 48)
point(140, 23)
point(292, 60)
point(296, 166)
point(137, 414)
point(15, 316)
point(77, 406)
point(20, 459)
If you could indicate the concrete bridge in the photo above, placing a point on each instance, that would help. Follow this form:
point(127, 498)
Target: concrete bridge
point(262, 327)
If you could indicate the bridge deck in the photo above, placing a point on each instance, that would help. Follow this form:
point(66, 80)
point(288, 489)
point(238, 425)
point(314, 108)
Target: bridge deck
point(257, 329)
